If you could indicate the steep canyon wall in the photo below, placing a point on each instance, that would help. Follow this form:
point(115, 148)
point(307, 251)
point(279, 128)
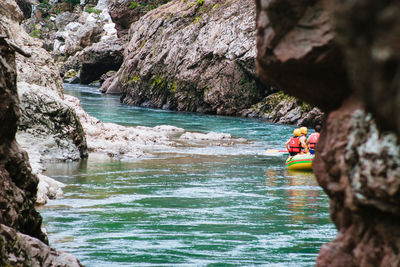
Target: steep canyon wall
point(344, 58)
point(22, 242)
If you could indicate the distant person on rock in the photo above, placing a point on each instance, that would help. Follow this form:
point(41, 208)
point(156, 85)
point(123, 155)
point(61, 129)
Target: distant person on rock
point(303, 140)
point(313, 139)
point(293, 145)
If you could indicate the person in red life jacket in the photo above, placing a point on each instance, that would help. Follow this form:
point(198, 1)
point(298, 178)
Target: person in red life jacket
point(313, 139)
point(303, 140)
point(293, 144)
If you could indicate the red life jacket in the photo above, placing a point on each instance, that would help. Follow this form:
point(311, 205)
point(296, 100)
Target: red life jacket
point(313, 140)
point(294, 145)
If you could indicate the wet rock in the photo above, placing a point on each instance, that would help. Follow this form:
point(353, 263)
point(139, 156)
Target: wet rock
point(18, 249)
point(208, 136)
point(72, 76)
point(191, 56)
point(116, 141)
point(48, 188)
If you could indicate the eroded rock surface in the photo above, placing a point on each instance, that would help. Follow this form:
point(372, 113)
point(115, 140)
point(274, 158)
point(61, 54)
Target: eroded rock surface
point(122, 142)
point(191, 56)
point(23, 250)
point(22, 242)
point(100, 58)
point(298, 54)
point(357, 163)
point(47, 130)
point(359, 168)
point(125, 12)
point(369, 33)
point(54, 126)
point(281, 108)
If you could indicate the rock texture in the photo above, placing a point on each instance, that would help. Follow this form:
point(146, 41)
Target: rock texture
point(284, 109)
point(369, 32)
point(298, 54)
point(48, 129)
point(54, 126)
point(17, 249)
point(191, 56)
point(359, 169)
point(100, 58)
point(125, 12)
point(22, 243)
point(18, 185)
point(348, 72)
point(122, 142)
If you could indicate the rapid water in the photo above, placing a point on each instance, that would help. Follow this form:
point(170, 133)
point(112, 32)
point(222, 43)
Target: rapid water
point(195, 206)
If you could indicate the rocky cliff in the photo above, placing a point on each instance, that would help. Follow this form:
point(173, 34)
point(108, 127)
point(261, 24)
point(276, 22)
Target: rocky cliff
point(48, 129)
point(191, 56)
point(344, 58)
point(22, 242)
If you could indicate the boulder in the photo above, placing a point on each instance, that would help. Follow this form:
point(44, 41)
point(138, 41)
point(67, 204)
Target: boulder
point(192, 56)
point(65, 18)
point(98, 59)
point(54, 126)
point(284, 109)
point(18, 249)
point(86, 35)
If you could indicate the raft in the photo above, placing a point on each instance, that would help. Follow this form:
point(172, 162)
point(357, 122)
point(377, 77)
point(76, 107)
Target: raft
point(301, 162)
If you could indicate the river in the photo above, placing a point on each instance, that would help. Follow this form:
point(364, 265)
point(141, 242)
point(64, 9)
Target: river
point(194, 206)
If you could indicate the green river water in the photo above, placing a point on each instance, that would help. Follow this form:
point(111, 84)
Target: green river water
point(193, 206)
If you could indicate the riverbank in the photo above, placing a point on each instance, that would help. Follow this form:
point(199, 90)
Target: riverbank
point(178, 205)
point(110, 140)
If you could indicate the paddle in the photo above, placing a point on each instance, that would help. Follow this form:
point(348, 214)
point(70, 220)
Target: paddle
point(274, 151)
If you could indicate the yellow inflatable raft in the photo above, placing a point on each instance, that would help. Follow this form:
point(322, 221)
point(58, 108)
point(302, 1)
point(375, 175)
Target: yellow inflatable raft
point(300, 162)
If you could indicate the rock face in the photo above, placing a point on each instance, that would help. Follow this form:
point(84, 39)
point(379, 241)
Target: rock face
point(125, 12)
point(357, 162)
point(54, 126)
point(41, 133)
point(22, 243)
point(18, 185)
point(369, 33)
point(191, 56)
point(297, 52)
point(100, 58)
point(359, 168)
point(281, 108)
point(22, 250)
